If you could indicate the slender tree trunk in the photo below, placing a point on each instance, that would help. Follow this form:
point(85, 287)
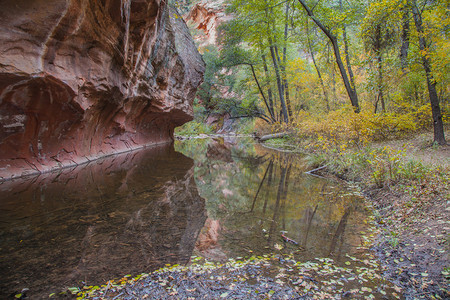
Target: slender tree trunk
point(276, 66)
point(333, 73)
point(261, 92)
point(434, 100)
point(347, 58)
point(280, 64)
point(279, 84)
point(288, 98)
point(324, 91)
point(334, 82)
point(405, 39)
point(351, 91)
point(380, 82)
point(269, 88)
point(347, 55)
point(283, 66)
point(377, 47)
point(284, 84)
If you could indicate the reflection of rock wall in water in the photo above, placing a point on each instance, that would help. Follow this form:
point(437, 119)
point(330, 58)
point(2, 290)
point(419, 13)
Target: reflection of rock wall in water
point(81, 79)
point(122, 215)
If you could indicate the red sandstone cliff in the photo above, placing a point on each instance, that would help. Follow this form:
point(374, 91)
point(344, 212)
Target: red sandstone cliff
point(206, 16)
point(81, 79)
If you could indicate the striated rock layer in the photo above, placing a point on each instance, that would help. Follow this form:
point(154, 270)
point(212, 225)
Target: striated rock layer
point(206, 16)
point(81, 79)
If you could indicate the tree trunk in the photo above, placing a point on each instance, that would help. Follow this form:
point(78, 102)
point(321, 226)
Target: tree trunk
point(333, 74)
point(405, 39)
point(377, 47)
point(333, 39)
point(279, 84)
point(434, 100)
point(273, 136)
point(380, 82)
point(283, 65)
point(324, 91)
point(269, 89)
point(262, 93)
point(347, 55)
point(276, 66)
point(347, 58)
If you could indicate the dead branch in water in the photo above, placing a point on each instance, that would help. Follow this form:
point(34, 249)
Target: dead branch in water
point(272, 136)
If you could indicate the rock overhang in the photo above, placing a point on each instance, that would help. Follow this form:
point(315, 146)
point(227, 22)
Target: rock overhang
point(84, 79)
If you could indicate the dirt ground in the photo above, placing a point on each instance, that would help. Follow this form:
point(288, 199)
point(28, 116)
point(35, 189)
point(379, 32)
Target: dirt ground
point(413, 244)
point(420, 147)
point(414, 223)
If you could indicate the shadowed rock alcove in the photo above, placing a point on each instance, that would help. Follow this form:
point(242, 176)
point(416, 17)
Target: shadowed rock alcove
point(84, 79)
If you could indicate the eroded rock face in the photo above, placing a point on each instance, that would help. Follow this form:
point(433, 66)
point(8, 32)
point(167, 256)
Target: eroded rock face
point(206, 16)
point(81, 79)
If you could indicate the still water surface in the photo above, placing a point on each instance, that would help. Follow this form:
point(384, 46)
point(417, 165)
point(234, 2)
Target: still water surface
point(135, 212)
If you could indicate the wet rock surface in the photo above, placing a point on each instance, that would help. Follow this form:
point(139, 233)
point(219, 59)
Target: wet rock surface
point(83, 79)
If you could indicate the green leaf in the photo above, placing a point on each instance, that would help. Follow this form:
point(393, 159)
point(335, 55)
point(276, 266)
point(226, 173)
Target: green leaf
point(18, 296)
point(224, 295)
point(74, 290)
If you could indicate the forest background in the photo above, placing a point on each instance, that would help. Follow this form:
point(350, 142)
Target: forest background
point(343, 71)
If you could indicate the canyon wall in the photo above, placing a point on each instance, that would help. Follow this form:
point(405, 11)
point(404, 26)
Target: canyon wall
point(206, 16)
point(82, 79)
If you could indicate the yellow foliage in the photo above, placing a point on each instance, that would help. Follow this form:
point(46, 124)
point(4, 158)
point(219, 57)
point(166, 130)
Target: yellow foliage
point(344, 125)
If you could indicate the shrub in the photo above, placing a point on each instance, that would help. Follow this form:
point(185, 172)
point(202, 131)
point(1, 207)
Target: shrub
point(193, 128)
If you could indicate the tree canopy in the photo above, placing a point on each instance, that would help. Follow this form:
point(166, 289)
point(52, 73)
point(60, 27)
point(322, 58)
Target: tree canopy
point(284, 58)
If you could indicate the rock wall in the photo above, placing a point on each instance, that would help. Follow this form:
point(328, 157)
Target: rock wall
point(82, 79)
point(206, 16)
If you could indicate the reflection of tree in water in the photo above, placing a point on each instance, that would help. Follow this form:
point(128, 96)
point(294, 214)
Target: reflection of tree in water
point(260, 193)
point(273, 202)
point(339, 234)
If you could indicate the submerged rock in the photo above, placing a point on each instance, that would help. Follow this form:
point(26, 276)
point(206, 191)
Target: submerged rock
point(85, 79)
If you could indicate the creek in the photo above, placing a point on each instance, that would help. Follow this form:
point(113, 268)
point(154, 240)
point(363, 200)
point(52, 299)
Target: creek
point(218, 198)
